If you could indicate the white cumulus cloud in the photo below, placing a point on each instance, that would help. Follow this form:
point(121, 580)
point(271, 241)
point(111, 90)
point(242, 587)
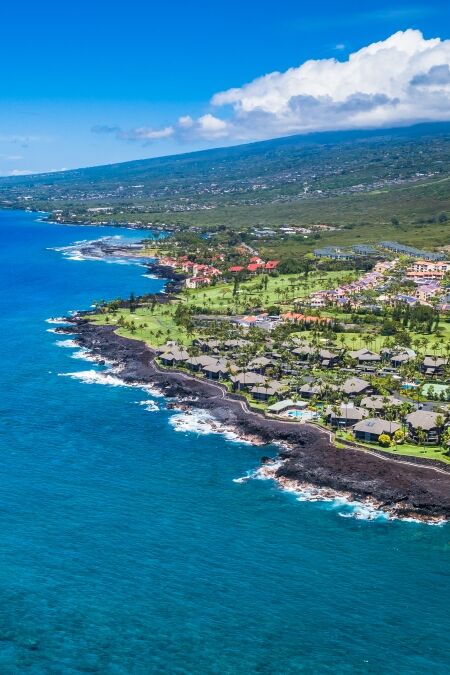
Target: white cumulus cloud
point(402, 80)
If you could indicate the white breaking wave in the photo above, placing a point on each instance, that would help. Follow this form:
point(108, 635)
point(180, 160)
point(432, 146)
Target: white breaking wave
point(96, 377)
point(202, 423)
point(67, 344)
point(58, 320)
point(108, 377)
point(149, 405)
point(123, 261)
point(85, 355)
point(85, 249)
point(82, 353)
point(343, 504)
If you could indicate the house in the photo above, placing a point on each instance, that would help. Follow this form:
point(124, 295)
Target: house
point(197, 282)
point(426, 421)
point(216, 371)
point(400, 356)
point(310, 390)
point(371, 429)
point(345, 416)
point(429, 290)
point(260, 364)
point(304, 351)
point(207, 345)
point(234, 344)
point(286, 405)
point(235, 269)
point(197, 363)
point(266, 391)
point(428, 270)
point(354, 386)
point(254, 267)
point(379, 403)
point(433, 365)
point(174, 356)
point(328, 359)
point(297, 317)
point(246, 380)
point(316, 301)
point(271, 265)
point(364, 356)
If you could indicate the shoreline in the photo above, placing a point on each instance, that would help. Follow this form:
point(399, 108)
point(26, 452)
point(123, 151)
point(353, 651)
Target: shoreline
point(307, 457)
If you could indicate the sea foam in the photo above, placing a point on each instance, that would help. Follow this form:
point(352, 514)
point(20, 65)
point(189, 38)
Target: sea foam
point(58, 320)
point(149, 405)
point(67, 344)
point(96, 377)
point(202, 423)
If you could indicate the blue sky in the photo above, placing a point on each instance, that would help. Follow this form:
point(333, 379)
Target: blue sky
point(97, 82)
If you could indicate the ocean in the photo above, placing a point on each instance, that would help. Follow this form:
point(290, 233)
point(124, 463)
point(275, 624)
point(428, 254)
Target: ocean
point(127, 547)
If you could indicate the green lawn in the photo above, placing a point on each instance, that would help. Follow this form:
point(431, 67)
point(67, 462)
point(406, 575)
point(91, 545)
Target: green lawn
point(280, 290)
point(404, 449)
point(153, 328)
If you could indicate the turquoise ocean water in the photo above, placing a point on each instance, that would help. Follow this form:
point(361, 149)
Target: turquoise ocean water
point(126, 547)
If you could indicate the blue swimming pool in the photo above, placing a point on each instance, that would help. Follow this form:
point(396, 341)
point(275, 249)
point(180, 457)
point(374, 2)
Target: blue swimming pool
point(302, 414)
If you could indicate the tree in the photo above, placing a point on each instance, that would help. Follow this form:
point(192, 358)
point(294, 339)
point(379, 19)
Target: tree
point(132, 303)
point(384, 440)
point(439, 423)
point(421, 436)
point(445, 439)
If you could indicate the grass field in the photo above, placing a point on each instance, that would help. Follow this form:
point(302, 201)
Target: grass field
point(283, 289)
point(154, 329)
point(406, 449)
point(358, 340)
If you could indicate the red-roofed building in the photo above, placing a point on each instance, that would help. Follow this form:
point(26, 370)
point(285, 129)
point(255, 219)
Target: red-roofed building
point(235, 268)
point(271, 264)
point(196, 282)
point(256, 259)
point(294, 316)
point(254, 267)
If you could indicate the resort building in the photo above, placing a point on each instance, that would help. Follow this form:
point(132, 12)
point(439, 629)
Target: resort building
point(379, 403)
point(424, 270)
point(345, 415)
point(371, 429)
point(433, 365)
point(246, 380)
point(266, 391)
point(424, 421)
point(286, 405)
point(355, 386)
point(364, 356)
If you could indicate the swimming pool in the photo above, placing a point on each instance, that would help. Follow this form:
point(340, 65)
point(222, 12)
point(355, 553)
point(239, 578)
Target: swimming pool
point(409, 385)
point(301, 414)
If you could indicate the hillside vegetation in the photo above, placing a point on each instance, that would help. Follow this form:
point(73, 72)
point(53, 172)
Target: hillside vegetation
point(374, 184)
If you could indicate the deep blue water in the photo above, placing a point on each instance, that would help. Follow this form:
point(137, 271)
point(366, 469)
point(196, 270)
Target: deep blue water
point(126, 547)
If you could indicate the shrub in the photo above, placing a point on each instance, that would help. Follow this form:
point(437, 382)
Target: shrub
point(384, 440)
point(399, 436)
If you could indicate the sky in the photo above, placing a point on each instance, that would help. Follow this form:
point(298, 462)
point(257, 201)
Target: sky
point(98, 82)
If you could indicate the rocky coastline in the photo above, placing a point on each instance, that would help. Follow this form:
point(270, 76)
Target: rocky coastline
point(175, 280)
point(306, 456)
